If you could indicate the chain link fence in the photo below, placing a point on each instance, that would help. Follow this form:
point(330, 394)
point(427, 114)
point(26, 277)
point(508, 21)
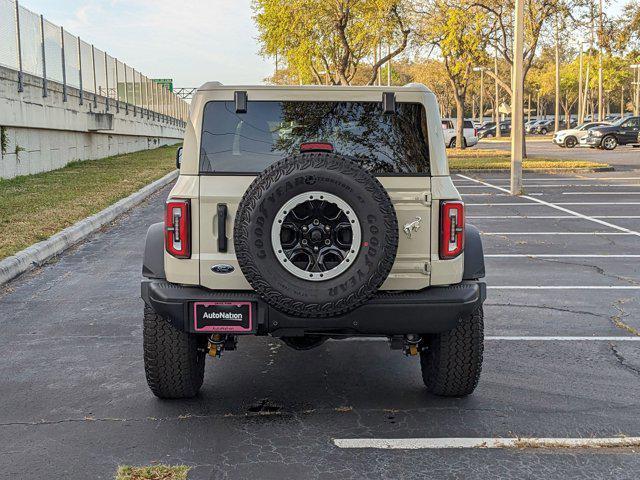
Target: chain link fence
point(31, 44)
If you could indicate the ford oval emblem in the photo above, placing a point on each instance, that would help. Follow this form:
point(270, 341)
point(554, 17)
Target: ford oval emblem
point(222, 268)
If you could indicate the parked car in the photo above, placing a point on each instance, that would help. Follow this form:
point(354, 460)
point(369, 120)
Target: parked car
point(623, 132)
point(528, 124)
point(571, 137)
point(484, 126)
point(505, 130)
point(450, 132)
point(303, 216)
point(543, 127)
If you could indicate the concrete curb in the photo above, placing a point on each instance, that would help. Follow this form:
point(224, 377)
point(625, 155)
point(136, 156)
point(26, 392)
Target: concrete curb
point(40, 252)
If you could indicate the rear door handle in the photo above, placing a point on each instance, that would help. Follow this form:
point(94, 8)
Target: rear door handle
point(222, 227)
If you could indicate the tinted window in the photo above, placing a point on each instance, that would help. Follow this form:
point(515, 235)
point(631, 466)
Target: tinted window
point(468, 124)
point(249, 142)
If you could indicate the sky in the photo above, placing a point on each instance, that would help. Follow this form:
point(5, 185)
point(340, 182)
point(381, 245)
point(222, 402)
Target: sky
point(191, 41)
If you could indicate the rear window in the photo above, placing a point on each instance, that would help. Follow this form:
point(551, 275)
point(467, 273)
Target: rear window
point(468, 124)
point(249, 142)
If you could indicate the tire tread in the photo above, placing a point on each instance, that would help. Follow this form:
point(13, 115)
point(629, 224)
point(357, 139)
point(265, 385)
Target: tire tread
point(174, 367)
point(452, 362)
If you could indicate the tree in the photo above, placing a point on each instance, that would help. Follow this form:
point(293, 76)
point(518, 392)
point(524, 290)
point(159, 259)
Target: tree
point(458, 30)
point(538, 14)
point(332, 38)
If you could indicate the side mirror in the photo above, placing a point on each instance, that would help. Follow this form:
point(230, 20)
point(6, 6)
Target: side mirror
point(178, 157)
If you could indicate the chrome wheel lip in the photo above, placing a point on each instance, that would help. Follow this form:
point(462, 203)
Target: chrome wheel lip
point(348, 260)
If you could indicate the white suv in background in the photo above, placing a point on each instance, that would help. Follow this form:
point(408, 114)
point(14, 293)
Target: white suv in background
point(449, 130)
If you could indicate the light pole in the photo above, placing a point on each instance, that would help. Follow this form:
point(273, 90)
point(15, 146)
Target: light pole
point(517, 87)
point(636, 103)
point(556, 124)
point(497, 96)
point(481, 112)
point(600, 87)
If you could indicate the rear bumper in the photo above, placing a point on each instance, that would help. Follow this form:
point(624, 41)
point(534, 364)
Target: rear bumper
point(432, 310)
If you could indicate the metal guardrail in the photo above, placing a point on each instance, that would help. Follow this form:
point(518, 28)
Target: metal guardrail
point(31, 44)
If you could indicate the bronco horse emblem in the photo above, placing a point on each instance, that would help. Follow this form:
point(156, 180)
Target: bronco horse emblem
point(412, 226)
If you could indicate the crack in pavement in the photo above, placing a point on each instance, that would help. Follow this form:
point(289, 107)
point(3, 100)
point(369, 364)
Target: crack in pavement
point(598, 269)
point(188, 416)
point(546, 307)
point(622, 361)
point(617, 319)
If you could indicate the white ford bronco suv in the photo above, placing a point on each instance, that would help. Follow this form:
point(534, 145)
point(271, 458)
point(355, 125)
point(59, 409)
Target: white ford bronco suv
point(312, 213)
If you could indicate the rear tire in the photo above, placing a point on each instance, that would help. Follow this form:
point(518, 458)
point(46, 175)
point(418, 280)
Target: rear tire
point(452, 361)
point(173, 361)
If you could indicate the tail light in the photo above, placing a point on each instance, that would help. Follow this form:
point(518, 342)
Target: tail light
point(475, 132)
point(451, 229)
point(177, 221)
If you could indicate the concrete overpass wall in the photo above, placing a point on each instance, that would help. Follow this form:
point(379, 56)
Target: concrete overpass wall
point(40, 133)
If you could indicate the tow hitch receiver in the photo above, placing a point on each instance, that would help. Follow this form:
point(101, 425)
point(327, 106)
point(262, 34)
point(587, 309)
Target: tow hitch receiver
point(409, 344)
point(217, 343)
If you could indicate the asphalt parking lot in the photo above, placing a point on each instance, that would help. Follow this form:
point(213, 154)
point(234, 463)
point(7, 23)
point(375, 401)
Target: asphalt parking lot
point(562, 360)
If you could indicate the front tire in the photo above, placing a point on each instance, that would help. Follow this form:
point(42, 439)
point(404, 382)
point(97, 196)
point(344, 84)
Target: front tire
point(452, 361)
point(570, 142)
point(173, 360)
point(609, 142)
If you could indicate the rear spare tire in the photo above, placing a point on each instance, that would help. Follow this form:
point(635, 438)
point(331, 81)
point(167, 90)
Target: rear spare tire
point(316, 235)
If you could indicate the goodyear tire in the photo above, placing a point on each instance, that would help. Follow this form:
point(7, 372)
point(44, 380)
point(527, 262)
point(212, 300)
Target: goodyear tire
point(290, 242)
point(452, 361)
point(173, 360)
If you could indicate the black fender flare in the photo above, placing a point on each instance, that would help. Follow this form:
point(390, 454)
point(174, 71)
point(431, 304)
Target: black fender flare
point(473, 254)
point(153, 263)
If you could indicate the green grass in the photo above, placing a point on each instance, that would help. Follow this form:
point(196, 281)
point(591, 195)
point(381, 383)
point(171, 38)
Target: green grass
point(155, 472)
point(504, 162)
point(477, 153)
point(34, 207)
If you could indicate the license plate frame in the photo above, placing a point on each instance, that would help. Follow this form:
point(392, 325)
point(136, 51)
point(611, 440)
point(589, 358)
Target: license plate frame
point(219, 317)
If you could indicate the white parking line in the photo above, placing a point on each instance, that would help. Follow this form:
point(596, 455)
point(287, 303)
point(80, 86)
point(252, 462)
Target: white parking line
point(516, 338)
point(527, 338)
point(568, 217)
point(544, 204)
point(559, 233)
point(494, 194)
point(558, 179)
point(554, 185)
point(484, 442)
point(559, 255)
point(600, 193)
point(566, 210)
point(563, 287)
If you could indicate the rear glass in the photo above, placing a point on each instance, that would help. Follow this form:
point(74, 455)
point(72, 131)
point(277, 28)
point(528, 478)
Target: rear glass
point(249, 142)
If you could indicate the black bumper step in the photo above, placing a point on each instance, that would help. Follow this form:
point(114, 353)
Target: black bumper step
point(431, 310)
